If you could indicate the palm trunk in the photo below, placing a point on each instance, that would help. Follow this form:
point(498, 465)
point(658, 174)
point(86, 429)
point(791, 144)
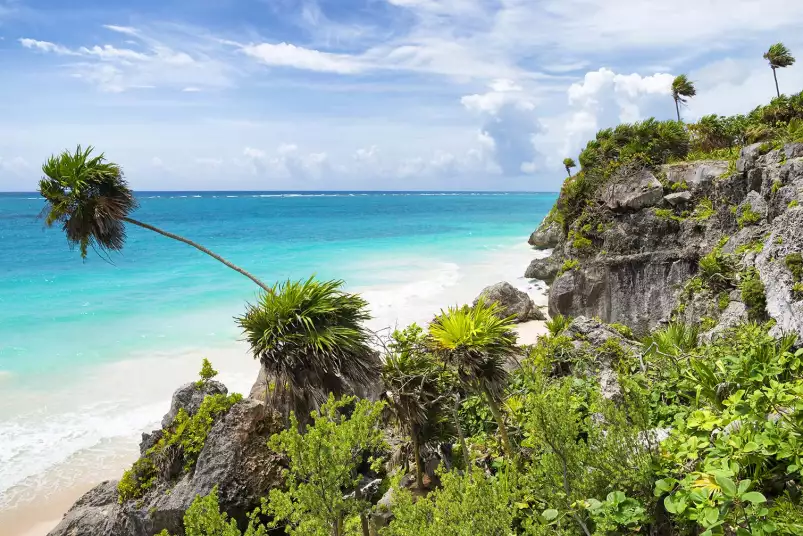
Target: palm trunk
point(677, 109)
point(775, 75)
point(199, 247)
point(419, 466)
point(364, 524)
point(460, 435)
point(499, 421)
point(568, 172)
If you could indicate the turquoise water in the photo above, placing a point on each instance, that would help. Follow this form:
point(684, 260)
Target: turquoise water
point(91, 351)
point(57, 312)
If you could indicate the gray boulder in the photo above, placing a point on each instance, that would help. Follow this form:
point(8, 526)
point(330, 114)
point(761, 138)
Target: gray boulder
point(546, 236)
point(678, 199)
point(756, 203)
point(189, 398)
point(545, 269)
point(634, 192)
point(734, 315)
point(697, 175)
point(513, 302)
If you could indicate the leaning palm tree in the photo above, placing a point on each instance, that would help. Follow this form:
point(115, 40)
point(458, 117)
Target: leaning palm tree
point(416, 392)
point(310, 339)
point(778, 57)
point(569, 163)
point(682, 90)
point(476, 341)
point(91, 200)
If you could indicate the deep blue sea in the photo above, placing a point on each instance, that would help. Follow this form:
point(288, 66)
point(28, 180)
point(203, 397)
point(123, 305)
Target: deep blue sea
point(91, 350)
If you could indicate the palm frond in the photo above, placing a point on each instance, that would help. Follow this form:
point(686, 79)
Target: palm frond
point(310, 338)
point(779, 56)
point(89, 197)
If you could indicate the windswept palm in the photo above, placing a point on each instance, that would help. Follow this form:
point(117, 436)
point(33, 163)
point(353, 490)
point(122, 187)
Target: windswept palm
point(778, 57)
point(90, 198)
point(569, 163)
point(416, 393)
point(476, 342)
point(682, 90)
point(310, 339)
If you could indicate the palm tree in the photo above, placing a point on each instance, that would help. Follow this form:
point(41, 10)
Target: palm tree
point(310, 339)
point(416, 392)
point(90, 198)
point(682, 90)
point(569, 163)
point(477, 342)
point(778, 57)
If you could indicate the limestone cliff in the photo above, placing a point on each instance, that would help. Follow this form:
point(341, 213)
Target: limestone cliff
point(634, 255)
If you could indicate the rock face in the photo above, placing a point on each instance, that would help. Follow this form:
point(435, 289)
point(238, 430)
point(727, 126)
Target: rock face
point(633, 192)
point(546, 236)
point(642, 258)
point(513, 302)
point(235, 458)
point(189, 398)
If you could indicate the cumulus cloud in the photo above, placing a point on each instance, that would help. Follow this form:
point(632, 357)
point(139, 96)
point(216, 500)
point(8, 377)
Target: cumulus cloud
point(510, 124)
point(286, 162)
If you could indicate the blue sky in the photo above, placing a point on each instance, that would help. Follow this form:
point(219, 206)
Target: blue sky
point(364, 94)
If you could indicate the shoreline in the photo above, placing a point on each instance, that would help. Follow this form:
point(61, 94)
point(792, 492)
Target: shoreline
point(37, 503)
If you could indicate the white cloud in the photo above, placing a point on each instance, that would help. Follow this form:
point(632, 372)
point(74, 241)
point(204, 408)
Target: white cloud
point(47, 46)
point(288, 55)
point(16, 165)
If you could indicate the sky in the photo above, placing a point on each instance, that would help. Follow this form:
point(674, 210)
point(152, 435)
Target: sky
point(365, 94)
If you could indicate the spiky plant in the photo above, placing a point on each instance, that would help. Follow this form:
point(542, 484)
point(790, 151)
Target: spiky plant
point(310, 339)
point(569, 163)
point(675, 339)
point(682, 90)
point(416, 392)
point(476, 341)
point(557, 324)
point(779, 57)
point(90, 198)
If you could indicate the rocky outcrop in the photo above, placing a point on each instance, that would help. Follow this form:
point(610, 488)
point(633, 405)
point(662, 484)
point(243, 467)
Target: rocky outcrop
point(512, 302)
point(632, 192)
point(641, 257)
point(189, 398)
point(235, 458)
point(546, 236)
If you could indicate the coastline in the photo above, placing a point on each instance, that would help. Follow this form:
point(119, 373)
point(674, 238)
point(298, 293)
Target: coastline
point(36, 505)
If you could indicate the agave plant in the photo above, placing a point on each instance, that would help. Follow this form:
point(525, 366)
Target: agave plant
point(90, 198)
point(416, 392)
point(557, 324)
point(476, 341)
point(310, 339)
point(778, 57)
point(682, 90)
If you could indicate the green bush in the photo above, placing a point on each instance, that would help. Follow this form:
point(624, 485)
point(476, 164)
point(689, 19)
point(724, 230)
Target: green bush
point(793, 203)
point(704, 210)
point(568, 266)
point(794, 263)
point(558, 323)
point(748, 217)
point(753, 295)
point(623, 330)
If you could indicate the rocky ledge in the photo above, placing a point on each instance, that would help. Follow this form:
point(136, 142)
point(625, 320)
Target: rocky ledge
point(631, 256)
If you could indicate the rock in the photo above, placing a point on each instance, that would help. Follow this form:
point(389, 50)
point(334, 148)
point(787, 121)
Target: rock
point(545, 269)
point(793, 150)
point(189, 398)
point(235, 458)
point(782, 304)
point(678, 199)
point(513, 302)
point(634, 192)
point(697, 175)
point(734, 315)
point(546, 236)
point(748, 157)
point(149, 440)
point(755, 202)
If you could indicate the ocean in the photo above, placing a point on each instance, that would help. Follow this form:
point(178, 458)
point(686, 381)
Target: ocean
point(90, 351)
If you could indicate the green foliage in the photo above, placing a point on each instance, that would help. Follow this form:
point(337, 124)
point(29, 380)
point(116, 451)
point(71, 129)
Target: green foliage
point(89, 197)
point(568, 266)
point(617, 514)
point(793, 203)
point(557, 324)
point(472, 503)
point(704, 210)
point(310, 336)
point(717, 269)
point(204, 518)
point(579, 242)
point(723, 300)
point(756, 246)
point(623, 330)
point(207, 373)
point(668, 214)
point(779, 56)
point(324, 463)
point(794, 263)
point(183, 440)
point(682, 90)
point(569, 163)
point(753, 294)
point(748, 217)
point(776, 185)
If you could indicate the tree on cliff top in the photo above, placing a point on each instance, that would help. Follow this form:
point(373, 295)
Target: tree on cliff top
point(682, 90)
point(309, 337)
point(778, 57)
point(90, 198)
point(569, 163)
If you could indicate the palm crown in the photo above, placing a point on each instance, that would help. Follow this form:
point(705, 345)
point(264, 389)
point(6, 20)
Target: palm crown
point(89, 197)
point(309, 337)
point(779, 56)
point(682, 90)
